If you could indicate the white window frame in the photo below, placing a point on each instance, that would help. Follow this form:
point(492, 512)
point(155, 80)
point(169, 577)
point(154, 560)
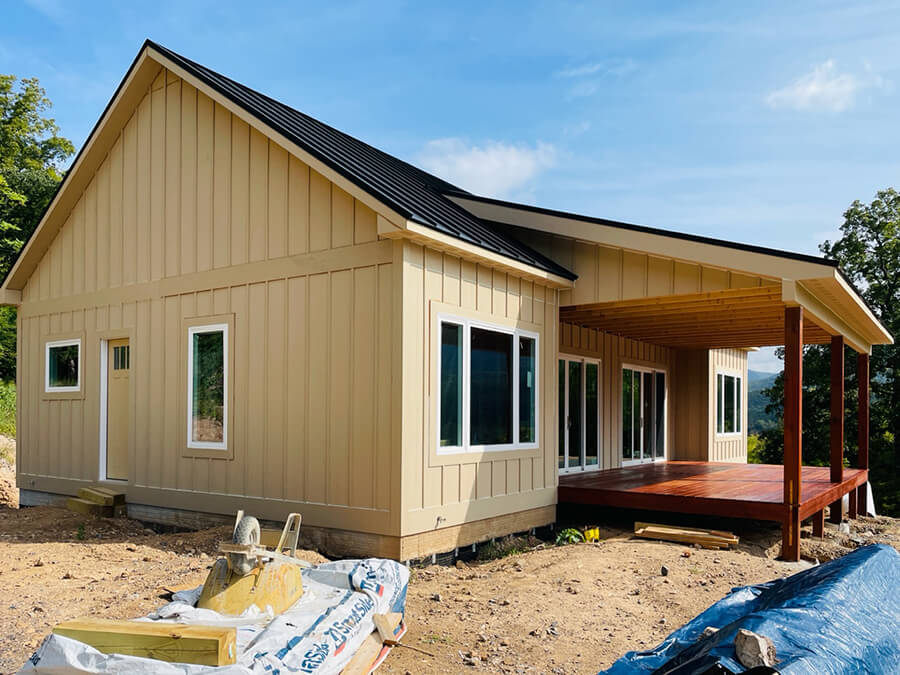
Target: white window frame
point(61, 343)
point(207, 445)
point(652, 370)
point(467, 447)
point(720, 404)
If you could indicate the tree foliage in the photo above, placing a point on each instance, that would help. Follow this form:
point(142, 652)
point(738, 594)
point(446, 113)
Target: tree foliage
point(31, 155)
point(868, 252)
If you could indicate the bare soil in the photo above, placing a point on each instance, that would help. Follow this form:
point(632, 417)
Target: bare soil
point(571, 609)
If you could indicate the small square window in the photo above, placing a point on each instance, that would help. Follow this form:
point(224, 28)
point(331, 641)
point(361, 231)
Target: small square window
point(62, 366)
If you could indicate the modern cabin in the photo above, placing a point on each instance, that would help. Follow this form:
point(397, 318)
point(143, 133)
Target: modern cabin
point(230, 305)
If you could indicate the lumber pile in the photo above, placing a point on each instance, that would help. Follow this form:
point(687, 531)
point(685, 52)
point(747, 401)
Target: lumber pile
point(172, 642)
point(712, 539)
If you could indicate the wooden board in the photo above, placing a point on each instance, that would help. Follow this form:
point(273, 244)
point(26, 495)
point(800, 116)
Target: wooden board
point(364, 658)
point(388, 625)
point(88, 508)
point(102, 496)
point(175, 643)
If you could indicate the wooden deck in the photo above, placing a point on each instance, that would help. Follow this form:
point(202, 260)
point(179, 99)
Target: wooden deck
point(708, 488)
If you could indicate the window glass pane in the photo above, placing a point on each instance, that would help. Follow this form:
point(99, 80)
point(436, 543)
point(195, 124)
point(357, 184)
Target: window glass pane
point(562, 414)
point(575, 375)
point(62, 366)
point(491, 387)
point(647, 418)
point(729, 404)
point(627, 397)
point(739, 406)
point(451, 384)
point(660, 412)
point(591, 414)
point(208, 404)
point(527, 372)
point(636, 417)
point(720, 391)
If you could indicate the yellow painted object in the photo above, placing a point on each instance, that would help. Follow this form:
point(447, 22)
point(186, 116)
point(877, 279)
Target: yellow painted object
point(592, 534)
point(275, 584)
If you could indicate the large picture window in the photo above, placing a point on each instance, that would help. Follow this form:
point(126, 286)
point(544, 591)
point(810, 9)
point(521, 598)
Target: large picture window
point(729, 403)
point(62, 366)
point(487, 387)
point(207, 387)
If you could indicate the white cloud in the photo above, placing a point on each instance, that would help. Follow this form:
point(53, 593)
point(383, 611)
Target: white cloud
point(823, 89)
point(588, 77)
point(617, 67)
point(493, 169)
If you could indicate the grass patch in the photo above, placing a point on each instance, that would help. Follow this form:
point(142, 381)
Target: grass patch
point(507, 546)
point(8, 409)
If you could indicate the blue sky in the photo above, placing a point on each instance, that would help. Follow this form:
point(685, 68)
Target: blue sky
point(758, 122)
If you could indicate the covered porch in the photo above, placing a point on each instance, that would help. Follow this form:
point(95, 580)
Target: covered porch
point(785, 313)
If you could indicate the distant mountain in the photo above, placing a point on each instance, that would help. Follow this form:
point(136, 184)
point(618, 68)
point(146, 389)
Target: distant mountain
point(758, 419)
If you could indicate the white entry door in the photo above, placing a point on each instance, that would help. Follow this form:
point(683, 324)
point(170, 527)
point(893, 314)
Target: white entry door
point(579, 414)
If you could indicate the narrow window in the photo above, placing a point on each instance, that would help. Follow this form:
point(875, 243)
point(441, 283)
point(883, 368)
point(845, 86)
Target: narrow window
point(207, 386)
point(527, 387)
point(729, 403)
point(491, 391)
point(451, 384)
point(63, 366)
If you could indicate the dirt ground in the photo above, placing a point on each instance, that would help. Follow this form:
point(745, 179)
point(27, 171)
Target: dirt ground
point(572, 609)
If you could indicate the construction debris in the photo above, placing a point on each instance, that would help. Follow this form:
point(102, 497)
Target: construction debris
point(754, 650)
point(711, 539)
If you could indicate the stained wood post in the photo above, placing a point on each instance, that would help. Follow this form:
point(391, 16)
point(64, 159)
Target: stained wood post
point(818, 522)
point(793, 426)
point(837, 420)
point(862, 376)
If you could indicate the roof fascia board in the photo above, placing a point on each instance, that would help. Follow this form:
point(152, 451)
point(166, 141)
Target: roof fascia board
point(794, 294)
point(884, 336)
point(658, 244)
point(134, 85)
point(322, 168)
point(10, 298)
point(425, 235)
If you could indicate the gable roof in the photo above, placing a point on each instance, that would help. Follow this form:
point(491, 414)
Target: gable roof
point(410, 192)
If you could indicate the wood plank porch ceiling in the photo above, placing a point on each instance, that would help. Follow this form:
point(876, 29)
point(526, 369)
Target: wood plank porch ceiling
point(733, 318)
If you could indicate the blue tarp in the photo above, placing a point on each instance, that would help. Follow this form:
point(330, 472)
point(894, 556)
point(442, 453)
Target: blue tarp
point(839, 617)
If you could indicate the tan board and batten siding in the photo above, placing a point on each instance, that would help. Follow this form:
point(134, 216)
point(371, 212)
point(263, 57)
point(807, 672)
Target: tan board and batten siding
point(448, 490)
point(193, 213)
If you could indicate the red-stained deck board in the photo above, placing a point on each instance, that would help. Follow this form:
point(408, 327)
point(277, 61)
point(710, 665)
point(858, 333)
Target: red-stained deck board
point(707, 488)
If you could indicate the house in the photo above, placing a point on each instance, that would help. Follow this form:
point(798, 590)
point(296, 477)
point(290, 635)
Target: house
point(229, 304)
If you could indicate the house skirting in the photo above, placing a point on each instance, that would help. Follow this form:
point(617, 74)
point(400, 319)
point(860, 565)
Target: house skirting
point(337, 542)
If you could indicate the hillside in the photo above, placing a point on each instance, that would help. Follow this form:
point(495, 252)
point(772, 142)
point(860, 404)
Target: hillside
point(757, 419)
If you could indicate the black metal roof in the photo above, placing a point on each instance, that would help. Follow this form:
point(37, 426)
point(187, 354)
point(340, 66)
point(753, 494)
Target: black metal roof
point(411, 192)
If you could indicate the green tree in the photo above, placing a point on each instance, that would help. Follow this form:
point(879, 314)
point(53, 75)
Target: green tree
point(31, 155)
point(868, 252)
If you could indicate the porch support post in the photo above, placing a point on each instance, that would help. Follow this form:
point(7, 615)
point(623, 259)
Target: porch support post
point(793, 426)
point(837, 420)
point(818, 522)
point(862, 376)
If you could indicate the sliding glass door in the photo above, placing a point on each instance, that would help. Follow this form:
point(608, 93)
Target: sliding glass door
point(643, 415)
point(579, 414)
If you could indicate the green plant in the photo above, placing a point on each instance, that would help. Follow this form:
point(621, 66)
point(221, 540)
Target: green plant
point(79, 535)
point(8, 409)
point(569, 536)
point(507, 546)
